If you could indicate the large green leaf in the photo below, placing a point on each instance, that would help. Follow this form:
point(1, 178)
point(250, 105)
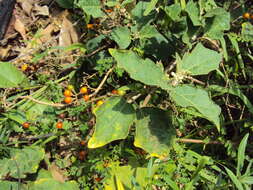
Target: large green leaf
point(10, 76)
point(188, 96)
point(150, 7)
point(21, 162)
point(143, 70)
point(241, 154)
point(10, 185)
point(218, 20)
point(200, 61)
point(46, 182)
point(122, 36)
point(154, 132)
point(91, 7)
point(113, 121)
point(193, 12)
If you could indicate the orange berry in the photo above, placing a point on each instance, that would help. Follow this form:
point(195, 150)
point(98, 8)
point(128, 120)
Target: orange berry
point(108, 10)
point(59, 125)
point(82, 143)
point(98, 179)
point(90, 26)
point(86, 97)
point(84, 90)
point(24, 67)
point(67, 100)
point(246, 15)
point(99, 102)
point(82, 154)
point(26, 125)
point(117, 6)
point(70, 87)
point(67, 93)
point(114, 91)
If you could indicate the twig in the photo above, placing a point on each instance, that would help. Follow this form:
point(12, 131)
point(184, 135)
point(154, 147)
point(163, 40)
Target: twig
point(195, 80)
point(197, 141)
point(96, 51)
point(102, 82)
point(41, 102)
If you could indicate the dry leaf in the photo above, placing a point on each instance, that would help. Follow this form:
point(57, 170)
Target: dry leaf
point(20, 28)
point(4, 52)
point(68, 34)
point(57, 173)
point(41, 10)
point(26, 5)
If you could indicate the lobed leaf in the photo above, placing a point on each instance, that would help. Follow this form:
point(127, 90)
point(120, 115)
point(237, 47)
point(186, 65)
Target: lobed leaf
point(154, 132)
point(188, 96)
point(10, 76)
point(113, 121)
point(200, 61)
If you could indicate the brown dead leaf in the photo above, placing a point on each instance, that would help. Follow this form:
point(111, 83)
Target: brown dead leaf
point(57, 173)
point(26, 5)
point(19, 26)
point(68, 34)
point(4, 52)
point(41, 10)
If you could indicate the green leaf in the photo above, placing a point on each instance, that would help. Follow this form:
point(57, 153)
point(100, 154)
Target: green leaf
point(200, 61)
point(241, 154)
point(46, 182)
point(193, 12)
point(10, 76)
point(147, 31)
point(247, 31)
point(138, 68)
point(67, 4)
point(10, 185)
point(173, 11)
point(122, 36)
point(150, 7)
point(218, 20)
point(187, 96)
point(21, 162)
point(234, 179)
point(113, 121)
point(91, 7)
point(154, 132)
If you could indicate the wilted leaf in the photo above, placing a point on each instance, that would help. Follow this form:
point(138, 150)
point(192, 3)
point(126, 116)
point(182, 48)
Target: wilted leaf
point(187, 96)
point(26, 5)
point(200, 61)
point(154, 132)
point(10, 76)
point(41, 10)
point(20, 28)
point(57, 173)
point(113, 121)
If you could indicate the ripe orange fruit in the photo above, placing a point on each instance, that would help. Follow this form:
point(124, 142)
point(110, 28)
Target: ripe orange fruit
point(86, 97)
point(246, 15)
point(26, 125)
point(82, 154)
point(117, 6)
point(82, 143)
point(59, 125)
point(67, 93)
point(114, 91)
point(108, 10)
point(99, 102)
point(90, 26)
point(84, 90)
point(70, 87)
point(67, 100)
